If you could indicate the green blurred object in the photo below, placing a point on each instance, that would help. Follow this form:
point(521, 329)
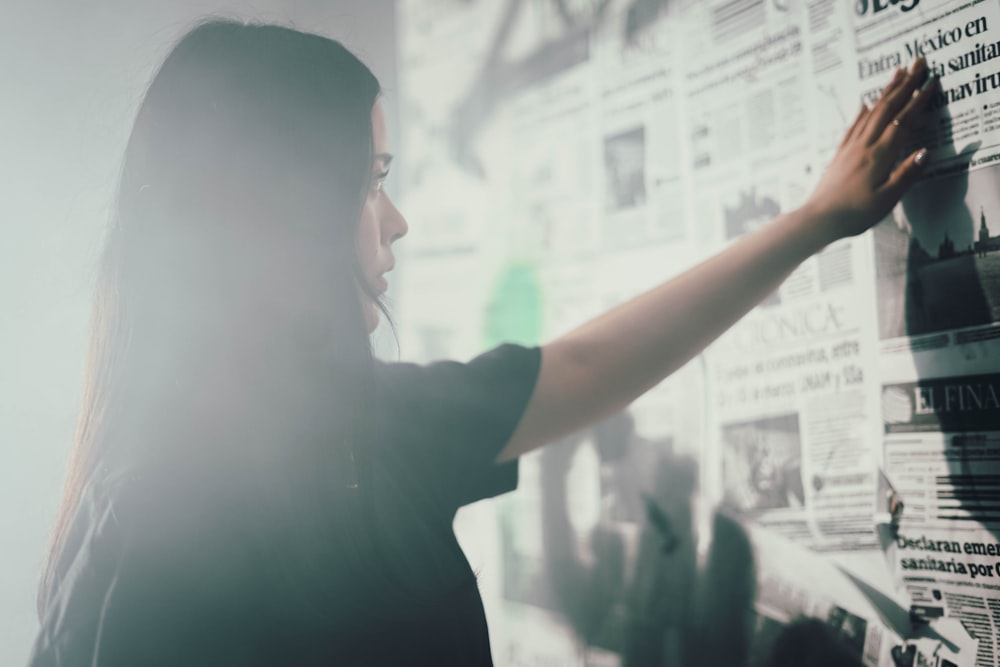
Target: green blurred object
point(514, 311)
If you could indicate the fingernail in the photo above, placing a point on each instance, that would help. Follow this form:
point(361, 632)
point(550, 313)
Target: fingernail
point(921, 157)
point(895, 76)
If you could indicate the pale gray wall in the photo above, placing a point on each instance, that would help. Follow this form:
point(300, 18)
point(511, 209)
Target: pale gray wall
point(71, 76)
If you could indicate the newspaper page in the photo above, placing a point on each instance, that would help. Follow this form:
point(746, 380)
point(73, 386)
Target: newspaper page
point(938, 312)
point(937, 285)
point(942, 449)
point(745, 90)
point(794, 583)
point(549, 176)
point(790, 390)
point(833, 73)
point(787, 383)
point(791, 402)
point(851, 616)
point(644, 193)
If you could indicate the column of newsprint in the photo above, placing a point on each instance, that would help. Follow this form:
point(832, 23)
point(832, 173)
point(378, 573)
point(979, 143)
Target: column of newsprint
point(937, 264)
point(788, 382)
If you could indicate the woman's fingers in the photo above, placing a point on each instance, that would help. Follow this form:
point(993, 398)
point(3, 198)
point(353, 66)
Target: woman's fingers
point(865, 179)
point(856, 126)
point(893, 100)
point(861, 121)
point(897, 78)
point(911, 115)
point(900, 180)
point(898, 132)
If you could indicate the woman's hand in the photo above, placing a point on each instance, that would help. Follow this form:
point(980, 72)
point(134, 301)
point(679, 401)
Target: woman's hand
point(866, 177)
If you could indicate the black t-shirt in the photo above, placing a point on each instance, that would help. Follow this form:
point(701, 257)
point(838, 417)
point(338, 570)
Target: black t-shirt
point(438, 430)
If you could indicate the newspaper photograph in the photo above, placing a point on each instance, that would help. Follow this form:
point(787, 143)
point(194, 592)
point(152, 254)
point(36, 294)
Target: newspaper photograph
point(625, 169)
point(938, 260)
point(762, 464)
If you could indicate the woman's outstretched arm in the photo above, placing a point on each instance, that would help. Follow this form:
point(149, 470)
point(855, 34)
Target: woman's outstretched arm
point(602, 366)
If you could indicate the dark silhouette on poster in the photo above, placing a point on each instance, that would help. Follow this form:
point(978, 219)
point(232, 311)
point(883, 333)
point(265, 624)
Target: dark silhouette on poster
point(936, 265)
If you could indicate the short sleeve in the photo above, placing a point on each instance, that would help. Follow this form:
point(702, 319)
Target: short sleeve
point(448, 421)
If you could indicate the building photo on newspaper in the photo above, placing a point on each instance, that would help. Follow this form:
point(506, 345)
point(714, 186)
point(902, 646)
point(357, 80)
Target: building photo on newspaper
point(829, 469)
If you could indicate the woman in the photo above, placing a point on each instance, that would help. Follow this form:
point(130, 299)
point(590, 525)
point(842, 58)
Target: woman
point(248, 486)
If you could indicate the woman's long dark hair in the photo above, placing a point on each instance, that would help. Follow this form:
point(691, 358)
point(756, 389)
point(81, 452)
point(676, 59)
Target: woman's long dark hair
point(228, 346)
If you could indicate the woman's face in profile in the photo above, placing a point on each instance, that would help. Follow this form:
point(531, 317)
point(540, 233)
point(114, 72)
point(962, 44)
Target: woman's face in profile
point(381, 224)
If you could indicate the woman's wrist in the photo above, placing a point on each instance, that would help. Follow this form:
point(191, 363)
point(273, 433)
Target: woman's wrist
point(818, 226)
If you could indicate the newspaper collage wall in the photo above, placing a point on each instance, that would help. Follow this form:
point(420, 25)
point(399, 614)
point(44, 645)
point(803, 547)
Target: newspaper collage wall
point(560, 156)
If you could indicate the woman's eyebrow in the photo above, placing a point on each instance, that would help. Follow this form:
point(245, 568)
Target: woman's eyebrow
point(386, 158)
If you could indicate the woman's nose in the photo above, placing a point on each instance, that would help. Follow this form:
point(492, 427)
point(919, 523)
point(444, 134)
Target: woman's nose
point(394, 223)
